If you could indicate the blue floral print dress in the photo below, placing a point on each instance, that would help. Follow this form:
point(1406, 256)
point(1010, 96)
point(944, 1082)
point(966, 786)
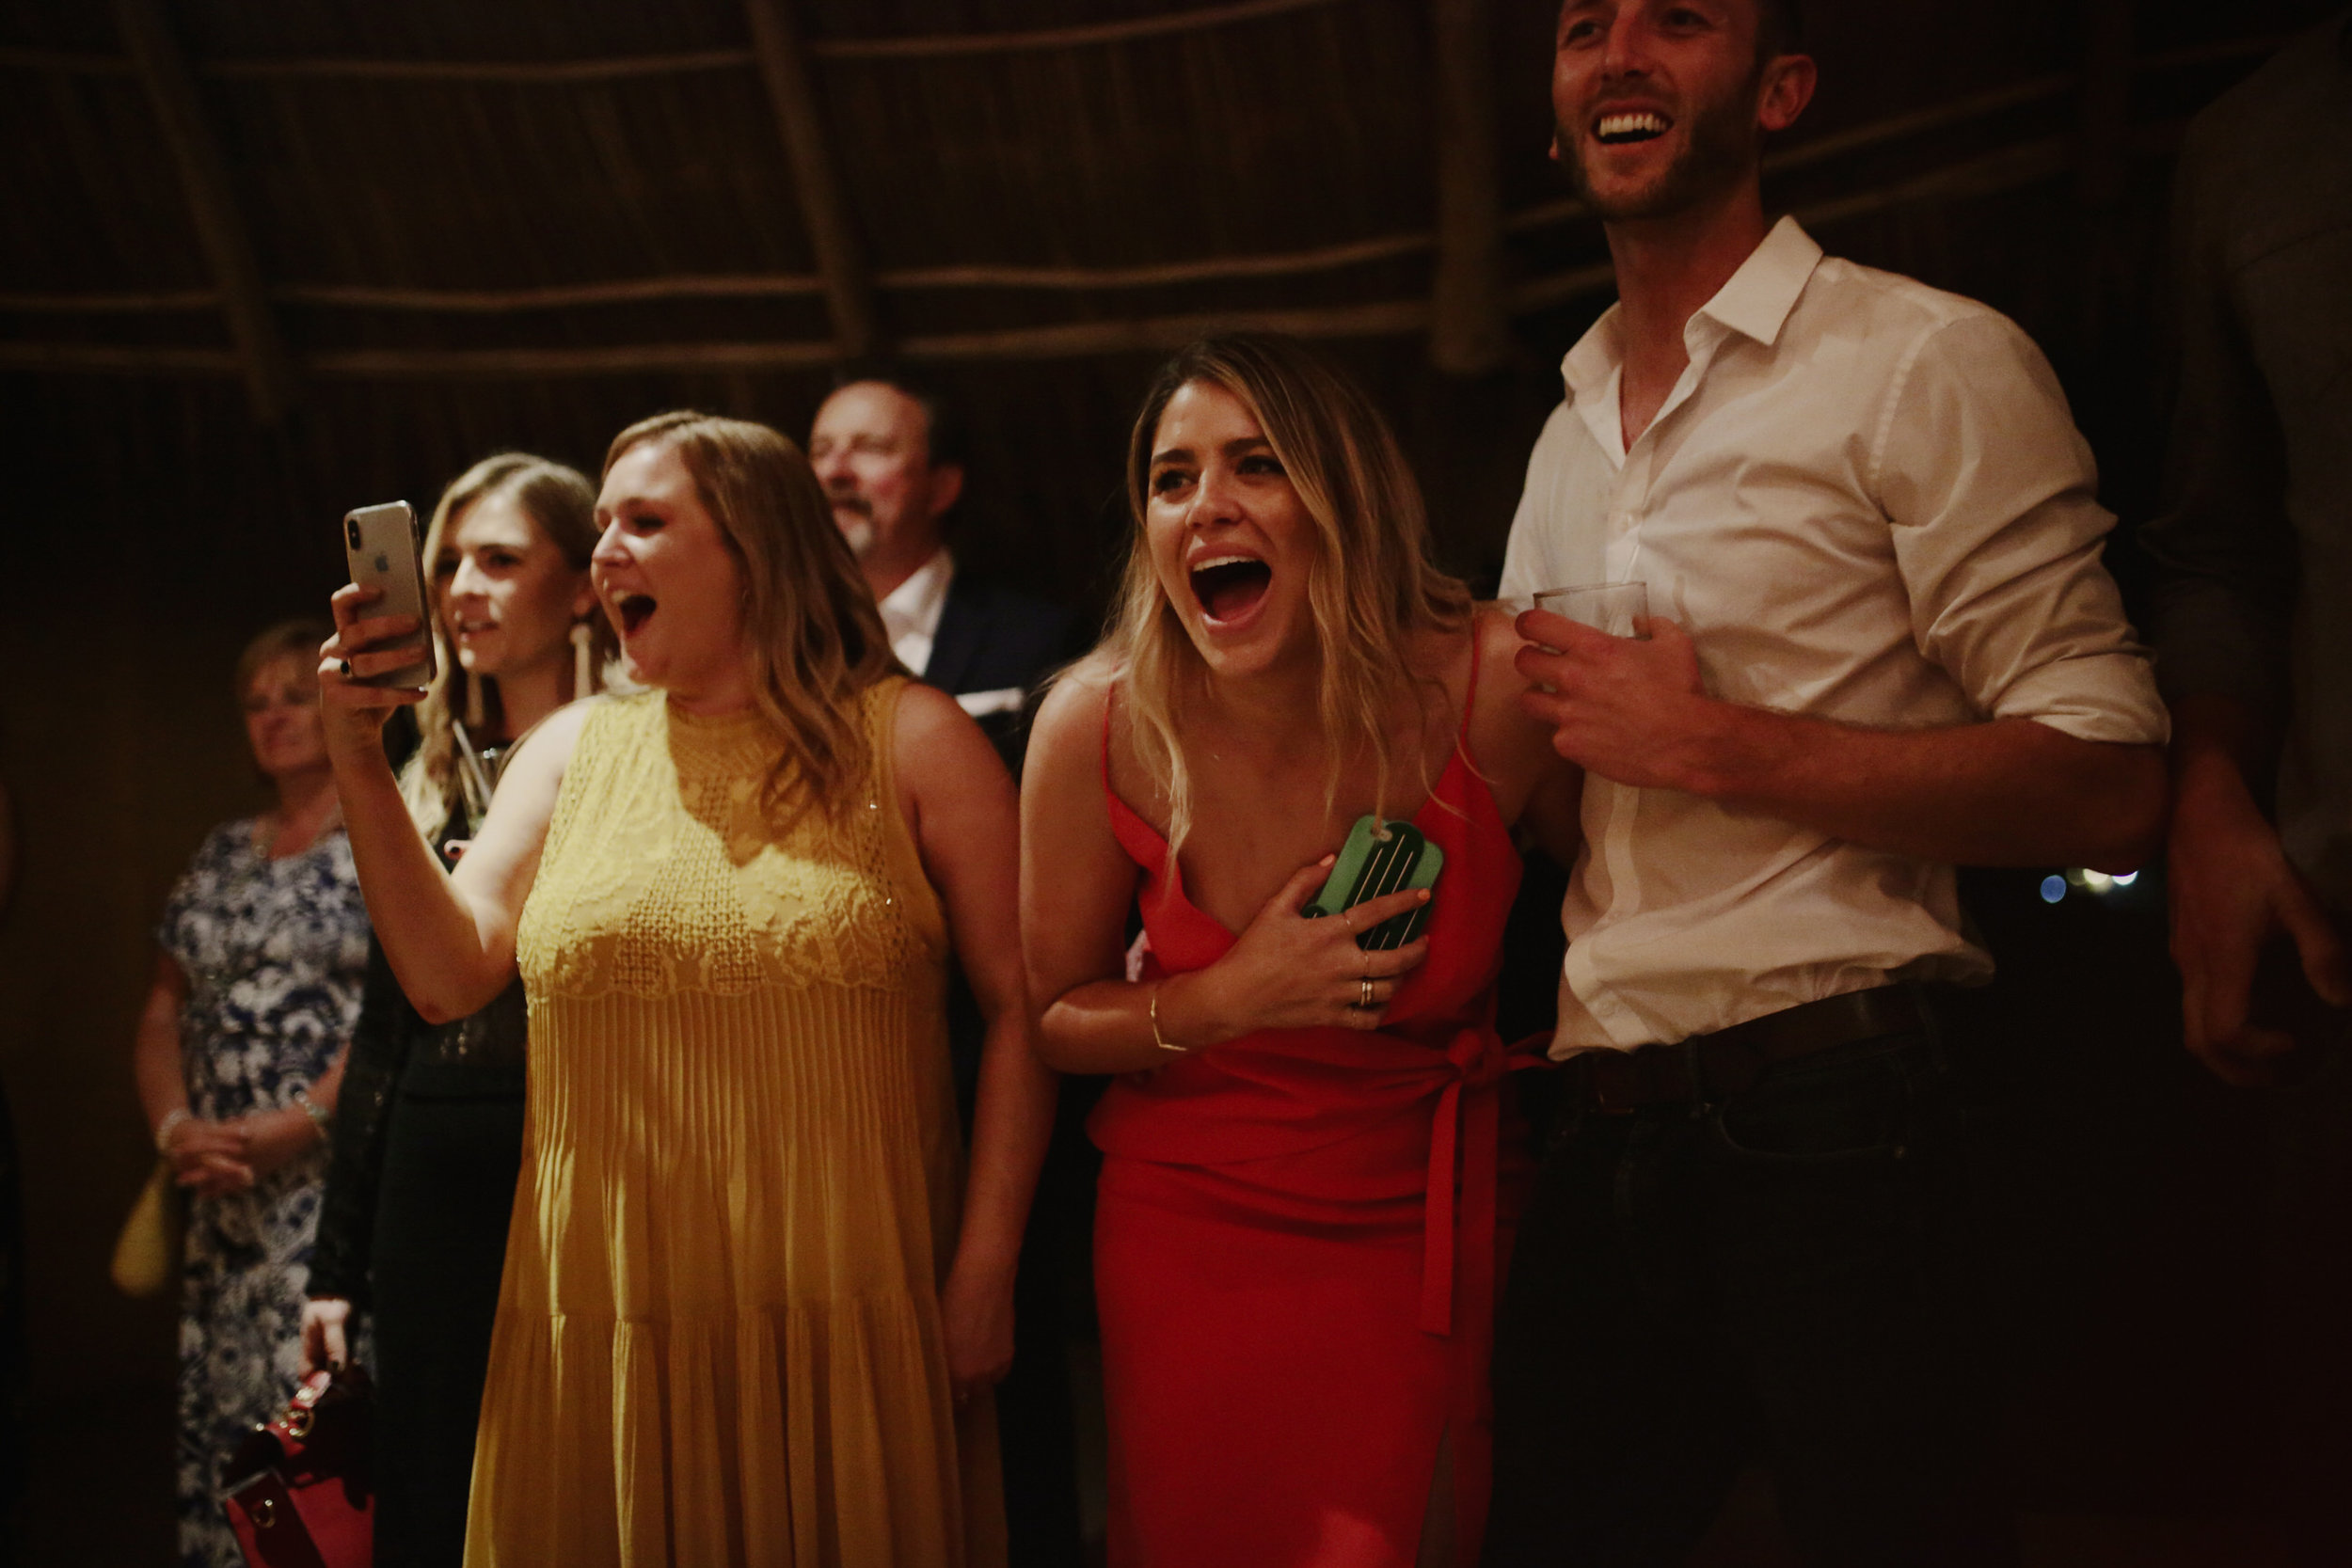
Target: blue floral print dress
point(273, 952)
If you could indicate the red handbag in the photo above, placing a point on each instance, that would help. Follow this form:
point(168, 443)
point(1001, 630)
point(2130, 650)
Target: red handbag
point(297, 1490)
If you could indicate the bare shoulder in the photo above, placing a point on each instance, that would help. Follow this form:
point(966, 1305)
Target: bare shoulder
point(1499, 642)
point(505, 858)
point(546, 749)
point(1501, 732)
point(927, 713)
point(1072, 716)
point(935, 745)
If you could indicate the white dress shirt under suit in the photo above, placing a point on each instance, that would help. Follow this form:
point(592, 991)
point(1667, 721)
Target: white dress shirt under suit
point(1866, 500)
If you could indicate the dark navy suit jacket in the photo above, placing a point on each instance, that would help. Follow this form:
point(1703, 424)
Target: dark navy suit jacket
point(996, 641)
point(993, 639)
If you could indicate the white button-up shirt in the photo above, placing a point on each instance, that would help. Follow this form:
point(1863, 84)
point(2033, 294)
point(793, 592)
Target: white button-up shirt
point(911, 611)
point(1866, 501)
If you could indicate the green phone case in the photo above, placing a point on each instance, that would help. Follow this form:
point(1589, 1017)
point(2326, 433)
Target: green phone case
point(1380, 857)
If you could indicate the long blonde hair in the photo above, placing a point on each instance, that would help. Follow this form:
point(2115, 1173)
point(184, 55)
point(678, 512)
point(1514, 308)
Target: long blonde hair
point(562, 505)
point(812, 634)
point(1372, 586)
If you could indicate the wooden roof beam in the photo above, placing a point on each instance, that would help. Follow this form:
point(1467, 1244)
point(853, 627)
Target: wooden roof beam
point(783, 61)
point(204, 179)
point(1470, 323)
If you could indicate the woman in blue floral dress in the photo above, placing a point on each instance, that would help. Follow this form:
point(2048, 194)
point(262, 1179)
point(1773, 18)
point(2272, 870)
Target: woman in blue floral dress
point(239, 1049)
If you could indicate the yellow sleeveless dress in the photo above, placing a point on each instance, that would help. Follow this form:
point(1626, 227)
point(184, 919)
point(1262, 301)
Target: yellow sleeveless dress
point(718, 1336)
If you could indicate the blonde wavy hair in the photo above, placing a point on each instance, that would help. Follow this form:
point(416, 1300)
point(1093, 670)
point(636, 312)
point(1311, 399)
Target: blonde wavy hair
point(811, 632)
point(562, 505)
point(1372, 586)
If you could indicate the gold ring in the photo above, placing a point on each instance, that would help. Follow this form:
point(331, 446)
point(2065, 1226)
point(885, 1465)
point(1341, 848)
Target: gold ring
point(1365, 985)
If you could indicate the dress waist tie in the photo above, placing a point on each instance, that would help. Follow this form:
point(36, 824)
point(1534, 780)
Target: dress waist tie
point(1468, 1126)
point(1468, 1118)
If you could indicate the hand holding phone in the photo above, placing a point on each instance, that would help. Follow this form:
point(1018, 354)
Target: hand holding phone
point(1380, 857)
point(386, 551)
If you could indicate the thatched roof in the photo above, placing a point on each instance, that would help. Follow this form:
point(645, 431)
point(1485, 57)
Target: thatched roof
point(524, 222)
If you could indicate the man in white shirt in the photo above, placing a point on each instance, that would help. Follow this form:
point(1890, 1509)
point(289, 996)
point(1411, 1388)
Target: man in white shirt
point(1882, 646)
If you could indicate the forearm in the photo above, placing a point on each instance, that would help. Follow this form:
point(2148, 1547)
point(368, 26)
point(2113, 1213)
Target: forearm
point(327, 1088)
point(430, 934)
point(1106, 1026)
point(2221, 742)
point(155, 1068)
point(2006, 792)
point(1011, 1129)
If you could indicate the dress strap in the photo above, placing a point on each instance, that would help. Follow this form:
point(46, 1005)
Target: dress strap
point(1142, 842)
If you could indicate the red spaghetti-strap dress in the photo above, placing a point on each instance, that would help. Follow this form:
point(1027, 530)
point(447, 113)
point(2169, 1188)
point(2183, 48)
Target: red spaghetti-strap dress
point(1297, 1243)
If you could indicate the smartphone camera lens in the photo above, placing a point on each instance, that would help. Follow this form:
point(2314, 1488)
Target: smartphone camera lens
point(352, 529)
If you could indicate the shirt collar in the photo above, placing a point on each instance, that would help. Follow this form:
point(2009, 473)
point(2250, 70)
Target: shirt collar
point(1755, 302)
point(915, 605)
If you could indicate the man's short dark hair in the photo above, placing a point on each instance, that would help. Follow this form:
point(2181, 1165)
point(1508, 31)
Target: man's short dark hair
point(945, 440)
point(1779, 28)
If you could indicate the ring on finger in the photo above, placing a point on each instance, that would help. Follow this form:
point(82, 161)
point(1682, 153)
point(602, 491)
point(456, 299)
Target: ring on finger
point(1364, 993)
point(346, 669)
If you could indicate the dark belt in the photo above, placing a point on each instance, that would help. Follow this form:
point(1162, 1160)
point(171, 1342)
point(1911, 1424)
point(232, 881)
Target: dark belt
point(1710, 1066)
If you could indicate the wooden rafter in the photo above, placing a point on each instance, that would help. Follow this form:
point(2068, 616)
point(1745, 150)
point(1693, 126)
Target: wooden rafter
point(2011, 169)
point(625, 67)
point(1469, 326)
point(638, 290)
point(1093, 35)
point(1861, 138)
point(840, 259)
point(622, 68)
point(204, 180)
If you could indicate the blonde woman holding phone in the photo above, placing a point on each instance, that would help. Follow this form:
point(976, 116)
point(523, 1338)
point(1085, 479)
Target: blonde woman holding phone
point(428, 1134)
point(1308, 1178)
point(751, 1310)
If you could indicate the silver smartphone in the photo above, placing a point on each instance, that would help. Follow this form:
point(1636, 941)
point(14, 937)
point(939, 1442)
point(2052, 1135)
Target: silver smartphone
point(386, 552)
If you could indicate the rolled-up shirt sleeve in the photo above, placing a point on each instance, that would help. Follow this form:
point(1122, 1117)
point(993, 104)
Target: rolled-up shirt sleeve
point(1991, 498)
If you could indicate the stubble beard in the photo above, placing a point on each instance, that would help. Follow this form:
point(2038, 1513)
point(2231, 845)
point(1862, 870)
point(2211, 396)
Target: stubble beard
point(1719, 151)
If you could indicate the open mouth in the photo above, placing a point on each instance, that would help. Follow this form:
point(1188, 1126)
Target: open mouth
point(636, 609)
point(1626, 127)
point(1230, 586)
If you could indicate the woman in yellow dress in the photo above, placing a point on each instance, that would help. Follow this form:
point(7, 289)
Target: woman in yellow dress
point(750, 1314)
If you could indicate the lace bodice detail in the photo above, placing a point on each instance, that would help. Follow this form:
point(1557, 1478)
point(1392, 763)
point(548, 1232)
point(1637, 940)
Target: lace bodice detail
point(663, 872)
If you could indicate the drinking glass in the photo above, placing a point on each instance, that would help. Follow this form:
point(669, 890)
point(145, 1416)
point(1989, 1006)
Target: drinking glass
point(1610, 606)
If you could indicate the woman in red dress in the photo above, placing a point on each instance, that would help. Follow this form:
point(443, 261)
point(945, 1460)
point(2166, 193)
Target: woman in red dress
point(1307, 1192)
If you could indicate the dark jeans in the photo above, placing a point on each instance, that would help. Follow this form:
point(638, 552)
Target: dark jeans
point(2297, 1322)
point(1787, 1273)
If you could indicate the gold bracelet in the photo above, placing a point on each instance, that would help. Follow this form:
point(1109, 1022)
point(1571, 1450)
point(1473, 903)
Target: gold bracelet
point(1158, 1038)
point(317, 1113)
point(170, 1124)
